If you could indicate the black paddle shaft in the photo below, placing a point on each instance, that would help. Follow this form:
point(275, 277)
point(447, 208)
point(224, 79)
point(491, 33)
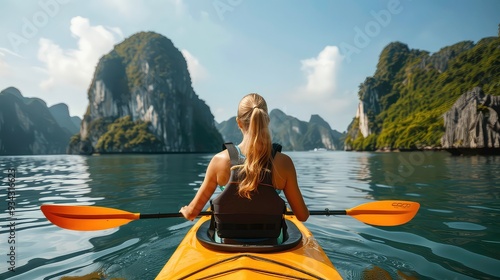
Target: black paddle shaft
point(325, 212)
point(170, 215)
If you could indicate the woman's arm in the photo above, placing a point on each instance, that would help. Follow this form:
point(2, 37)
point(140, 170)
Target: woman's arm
point(215, 175)
point(286, 170)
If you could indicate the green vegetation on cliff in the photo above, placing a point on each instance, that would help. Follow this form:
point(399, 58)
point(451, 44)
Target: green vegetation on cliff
point(405, 100)
point(126, 63)
point(125, 135)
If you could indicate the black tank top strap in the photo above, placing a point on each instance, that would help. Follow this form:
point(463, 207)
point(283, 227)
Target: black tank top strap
point(233, 153)
point(276, 148)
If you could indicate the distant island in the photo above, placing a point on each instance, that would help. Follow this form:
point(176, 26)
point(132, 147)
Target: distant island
point(29, 127)
point(292, 133)
point(416, 100)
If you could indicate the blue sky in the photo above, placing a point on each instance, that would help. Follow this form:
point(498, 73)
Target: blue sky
point(304, 57)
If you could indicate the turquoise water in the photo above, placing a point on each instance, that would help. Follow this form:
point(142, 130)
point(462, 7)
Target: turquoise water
point(455, 235)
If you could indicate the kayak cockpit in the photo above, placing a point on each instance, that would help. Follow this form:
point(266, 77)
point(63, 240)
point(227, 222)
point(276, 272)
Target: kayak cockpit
point(291, 238)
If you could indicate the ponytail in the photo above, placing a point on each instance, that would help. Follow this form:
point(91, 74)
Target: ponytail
point(253, 110)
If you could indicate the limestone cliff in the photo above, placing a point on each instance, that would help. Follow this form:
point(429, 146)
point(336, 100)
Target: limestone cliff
point(292, 133)
point(60, 112)
point(146, 78)
point(401, 107)
point(472, 123)
point(322, 136)
point(27, 127)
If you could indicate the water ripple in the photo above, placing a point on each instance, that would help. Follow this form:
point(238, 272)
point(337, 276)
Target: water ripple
point(455, 235)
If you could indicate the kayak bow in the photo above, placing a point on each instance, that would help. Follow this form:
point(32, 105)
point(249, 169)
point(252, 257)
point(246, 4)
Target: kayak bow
point(194, 260)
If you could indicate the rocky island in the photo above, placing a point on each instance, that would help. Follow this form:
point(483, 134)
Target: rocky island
point(141, 101)
point(29, 127)
point(472, 125)
point(417, 100)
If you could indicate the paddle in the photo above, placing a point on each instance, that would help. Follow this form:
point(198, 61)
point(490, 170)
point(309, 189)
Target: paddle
point(87, 218)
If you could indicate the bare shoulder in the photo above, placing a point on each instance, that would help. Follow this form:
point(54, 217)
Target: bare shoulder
point(221, 159)
point(284, 173)
point(222, 155)
point(283, 161)
point(218, 169)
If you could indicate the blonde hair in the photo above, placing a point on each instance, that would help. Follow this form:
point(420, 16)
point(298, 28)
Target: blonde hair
point(253, 115)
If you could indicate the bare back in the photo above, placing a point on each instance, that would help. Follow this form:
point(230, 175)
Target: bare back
point(218, 173)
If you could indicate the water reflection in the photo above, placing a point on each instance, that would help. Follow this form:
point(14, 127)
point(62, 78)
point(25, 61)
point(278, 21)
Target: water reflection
point(45, 179)
point(456, 227)
point(458, 197)
point(455, 235)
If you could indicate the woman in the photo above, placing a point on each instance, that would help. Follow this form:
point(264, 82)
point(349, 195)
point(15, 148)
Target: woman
point(256, 148)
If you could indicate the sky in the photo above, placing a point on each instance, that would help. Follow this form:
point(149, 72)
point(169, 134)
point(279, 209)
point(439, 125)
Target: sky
point(303, 57)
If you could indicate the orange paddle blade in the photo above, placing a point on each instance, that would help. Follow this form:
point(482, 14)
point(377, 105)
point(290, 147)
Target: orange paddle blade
point(87, 217)
point(385, 212)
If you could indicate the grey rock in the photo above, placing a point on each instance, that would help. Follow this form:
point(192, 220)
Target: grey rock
point(27, 127)
point(60, 112)
point(473, 122)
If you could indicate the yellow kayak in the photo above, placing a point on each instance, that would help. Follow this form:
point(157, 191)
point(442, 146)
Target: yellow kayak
point(299, 257)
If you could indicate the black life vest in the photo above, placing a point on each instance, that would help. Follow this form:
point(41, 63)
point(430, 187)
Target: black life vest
point(238, 217)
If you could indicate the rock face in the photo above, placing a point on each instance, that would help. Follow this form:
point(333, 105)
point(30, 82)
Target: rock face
point(230, 131)
point(441, 59)
point(60, 112)
point(401, 106)
point(375, 93)
point(472, 122)
point(291, 133)
point(27, 127)
point(145, 77)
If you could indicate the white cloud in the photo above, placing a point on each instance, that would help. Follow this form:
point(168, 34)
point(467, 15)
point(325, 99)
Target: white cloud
point(4, 67)
point(76, 66)
point(130, 9)
point(143, 9)
point(7, 67)
point(3, 51)
point(320, 94)
point(321, 73)
point(180, 8)
point(196, 70)
point(338, 111)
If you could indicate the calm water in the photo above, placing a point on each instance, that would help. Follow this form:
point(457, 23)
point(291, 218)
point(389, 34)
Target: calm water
point(455, 235)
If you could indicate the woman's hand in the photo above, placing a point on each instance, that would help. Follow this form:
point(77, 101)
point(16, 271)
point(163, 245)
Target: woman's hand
point(187, 212)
